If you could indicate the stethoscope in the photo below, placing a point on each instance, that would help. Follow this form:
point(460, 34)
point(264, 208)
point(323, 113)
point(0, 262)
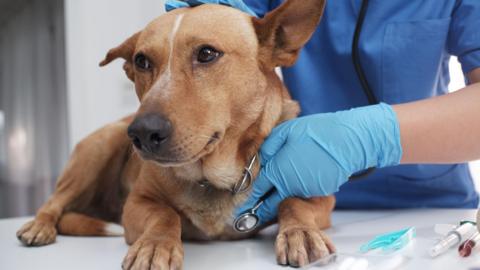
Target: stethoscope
point(248, 220)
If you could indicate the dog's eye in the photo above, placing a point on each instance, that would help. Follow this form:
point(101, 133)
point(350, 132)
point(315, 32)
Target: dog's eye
point(142, 62)
point(207, 54)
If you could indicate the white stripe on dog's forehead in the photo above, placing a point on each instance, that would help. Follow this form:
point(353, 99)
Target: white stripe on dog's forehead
point(172, 36)
point(160, 85)
point(176, 25)
point(175, 28)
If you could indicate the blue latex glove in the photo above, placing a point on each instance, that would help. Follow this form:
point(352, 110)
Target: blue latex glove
point(314, 155)
point(238, 4)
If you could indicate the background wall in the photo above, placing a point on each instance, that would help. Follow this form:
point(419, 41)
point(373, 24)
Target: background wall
point(33, 113)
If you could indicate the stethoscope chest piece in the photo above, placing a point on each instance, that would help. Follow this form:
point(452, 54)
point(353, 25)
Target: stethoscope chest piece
point(246, 222)
point(249, 220)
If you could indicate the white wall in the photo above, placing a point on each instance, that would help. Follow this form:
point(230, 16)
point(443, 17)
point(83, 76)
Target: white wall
point(96, 95)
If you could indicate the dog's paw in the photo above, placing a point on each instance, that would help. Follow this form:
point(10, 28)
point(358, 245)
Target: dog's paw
point(37, 233)
point(298, 247)
point(158, 254)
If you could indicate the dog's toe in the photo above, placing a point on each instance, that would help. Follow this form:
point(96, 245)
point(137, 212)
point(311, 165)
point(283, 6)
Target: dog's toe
point(154, 254)
point(24, 229)
point(299, 246)
point(35, 233)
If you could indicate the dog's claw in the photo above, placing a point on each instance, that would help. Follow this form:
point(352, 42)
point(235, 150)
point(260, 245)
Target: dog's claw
point(298, 247)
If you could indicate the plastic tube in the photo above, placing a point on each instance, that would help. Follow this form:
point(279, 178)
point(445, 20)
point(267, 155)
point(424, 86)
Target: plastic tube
point(453, 238)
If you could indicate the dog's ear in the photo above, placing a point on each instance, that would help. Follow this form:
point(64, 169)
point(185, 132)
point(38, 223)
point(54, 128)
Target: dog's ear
point(285, 30)
point(125, 51)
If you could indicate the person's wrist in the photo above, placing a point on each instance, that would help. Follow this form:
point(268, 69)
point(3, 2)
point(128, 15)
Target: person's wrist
point(378, 128)
point(391, 153)
point(370, 137)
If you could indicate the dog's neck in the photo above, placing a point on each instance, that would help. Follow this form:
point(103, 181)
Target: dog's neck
point(225, 166)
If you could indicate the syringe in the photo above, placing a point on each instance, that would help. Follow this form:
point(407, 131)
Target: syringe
point(454, 237)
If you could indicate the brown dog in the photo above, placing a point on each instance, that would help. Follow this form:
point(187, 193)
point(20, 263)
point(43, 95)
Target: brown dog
point(209, 97)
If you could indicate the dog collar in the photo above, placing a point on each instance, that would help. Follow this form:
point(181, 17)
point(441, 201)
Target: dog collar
point(242, 185)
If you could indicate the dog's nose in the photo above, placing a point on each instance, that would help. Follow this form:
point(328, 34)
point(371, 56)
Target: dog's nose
point(148, 132)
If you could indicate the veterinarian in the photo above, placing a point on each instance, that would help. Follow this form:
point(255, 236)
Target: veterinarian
point(417, 146)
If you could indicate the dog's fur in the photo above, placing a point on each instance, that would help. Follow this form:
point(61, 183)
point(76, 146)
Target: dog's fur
point(220, 112)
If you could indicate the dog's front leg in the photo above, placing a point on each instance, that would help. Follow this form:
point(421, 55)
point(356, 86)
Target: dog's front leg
point(300, 239)
point(154, 231)
point(90, 158)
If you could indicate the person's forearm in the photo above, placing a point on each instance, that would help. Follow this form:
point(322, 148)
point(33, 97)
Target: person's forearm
point(443, 129)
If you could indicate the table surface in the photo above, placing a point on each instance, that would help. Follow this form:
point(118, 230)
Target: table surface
point(350, 230)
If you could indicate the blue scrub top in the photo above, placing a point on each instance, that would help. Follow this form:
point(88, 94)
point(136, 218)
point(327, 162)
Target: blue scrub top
point(405, 48)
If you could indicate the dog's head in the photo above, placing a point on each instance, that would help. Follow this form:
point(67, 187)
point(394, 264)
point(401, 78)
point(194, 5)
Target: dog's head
point(203, 74)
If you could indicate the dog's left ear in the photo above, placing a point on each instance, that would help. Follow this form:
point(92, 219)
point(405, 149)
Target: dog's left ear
point(285, 30)
point(125, 51)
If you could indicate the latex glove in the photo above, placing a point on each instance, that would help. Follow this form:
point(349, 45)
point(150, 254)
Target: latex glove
point(314, 155)
point(238, 4)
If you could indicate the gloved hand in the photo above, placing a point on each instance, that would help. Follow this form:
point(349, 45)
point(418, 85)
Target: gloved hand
point(314, 155)
point(238, 4)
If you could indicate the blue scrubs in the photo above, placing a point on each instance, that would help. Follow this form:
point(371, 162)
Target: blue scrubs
point(405, 48)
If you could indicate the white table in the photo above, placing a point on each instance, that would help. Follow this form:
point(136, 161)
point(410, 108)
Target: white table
point(350, 230)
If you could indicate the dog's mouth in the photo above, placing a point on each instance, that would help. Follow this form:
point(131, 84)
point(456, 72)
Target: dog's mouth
point(215, 137)
point(177, 162)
